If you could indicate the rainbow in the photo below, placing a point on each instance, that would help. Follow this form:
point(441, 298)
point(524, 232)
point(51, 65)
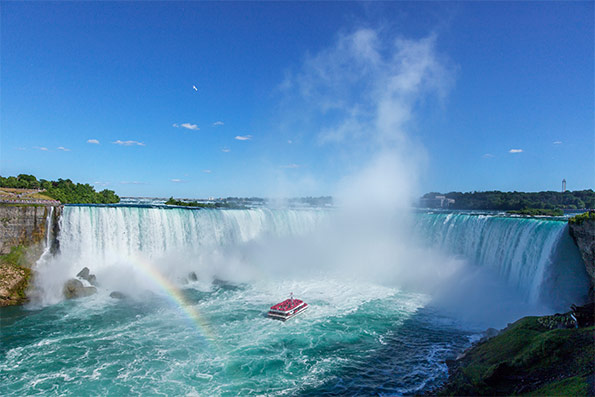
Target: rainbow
point(177, 298)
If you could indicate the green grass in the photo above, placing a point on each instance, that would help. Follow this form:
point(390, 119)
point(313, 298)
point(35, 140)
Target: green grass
point(579, 219)
point(16, 257)
point(526, 357)
point(575, 386)
point(537, 211)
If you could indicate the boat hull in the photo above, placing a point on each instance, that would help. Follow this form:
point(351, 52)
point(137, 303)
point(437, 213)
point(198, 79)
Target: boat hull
point(285, 317)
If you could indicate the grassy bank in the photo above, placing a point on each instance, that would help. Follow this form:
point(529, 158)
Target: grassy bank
point(528, 357)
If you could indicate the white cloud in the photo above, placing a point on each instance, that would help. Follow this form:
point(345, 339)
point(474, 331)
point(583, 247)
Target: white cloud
point(63, 149)
point(128, 143)
point(243, 137)
point(101, 183)
point(515, 151)
point(207, 171)
point(226, 150)
point(291, 166)
point(40, 148)
point(557, 142)
point(360, 95)
point(216, 123)
point(488, 156)
point(175, 180)
point(188, 126)
point(93, 141)
point(371, 84)
point(132, 183)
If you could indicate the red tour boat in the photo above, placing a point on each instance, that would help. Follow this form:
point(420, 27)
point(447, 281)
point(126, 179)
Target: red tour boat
point(287, 309)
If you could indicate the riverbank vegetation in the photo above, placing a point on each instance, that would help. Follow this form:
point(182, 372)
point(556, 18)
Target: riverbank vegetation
point(537, 212)
point(507, 201)
point(64, 190)
point(533, 356)
point(579, 219)
point(216, 204)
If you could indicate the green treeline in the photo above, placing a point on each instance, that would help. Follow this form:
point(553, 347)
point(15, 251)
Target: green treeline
point(63, 189)
point(496, 200)
point(537, 211)
point(217, 204)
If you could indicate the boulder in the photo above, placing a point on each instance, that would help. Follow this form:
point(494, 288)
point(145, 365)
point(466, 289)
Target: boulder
point(73, 289)
point(192, 276)
point(85, 274)
point(117, 295)
point(489, 334)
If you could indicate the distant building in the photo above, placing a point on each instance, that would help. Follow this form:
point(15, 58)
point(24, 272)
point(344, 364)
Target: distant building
point(435, 201)
point(563, 185)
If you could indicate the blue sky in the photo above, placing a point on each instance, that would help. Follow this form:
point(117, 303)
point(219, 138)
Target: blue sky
point(294, 98)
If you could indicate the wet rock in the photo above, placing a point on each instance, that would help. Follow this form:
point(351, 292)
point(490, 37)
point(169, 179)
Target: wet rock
point(13, 283)
point(84, 274)
point(74, 288)
point(489, 334)
point(117, 295)
point(192, 276)
point(584, 315)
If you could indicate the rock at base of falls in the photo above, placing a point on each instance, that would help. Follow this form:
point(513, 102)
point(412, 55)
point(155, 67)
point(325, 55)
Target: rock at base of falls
point(74, 288)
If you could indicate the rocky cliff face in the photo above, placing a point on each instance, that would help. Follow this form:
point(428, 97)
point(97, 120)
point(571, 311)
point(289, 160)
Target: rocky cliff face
point(23, 230)
point(582, 230)
point(24, 225)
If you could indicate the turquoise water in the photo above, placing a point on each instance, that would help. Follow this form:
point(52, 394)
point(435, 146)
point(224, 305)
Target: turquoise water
point(370, 329)
point(354, 339)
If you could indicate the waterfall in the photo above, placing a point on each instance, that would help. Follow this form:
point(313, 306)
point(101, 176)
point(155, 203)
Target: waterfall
point(534, 256)
point(531, 254)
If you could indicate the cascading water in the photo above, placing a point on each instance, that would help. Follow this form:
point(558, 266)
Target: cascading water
point(362, 335)
point(525, 252)
point(108, 239)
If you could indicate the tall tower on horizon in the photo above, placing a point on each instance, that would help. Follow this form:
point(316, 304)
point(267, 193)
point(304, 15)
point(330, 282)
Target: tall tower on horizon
point(563, 185)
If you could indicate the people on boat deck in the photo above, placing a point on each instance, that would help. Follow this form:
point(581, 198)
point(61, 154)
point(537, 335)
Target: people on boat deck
point(287, 305)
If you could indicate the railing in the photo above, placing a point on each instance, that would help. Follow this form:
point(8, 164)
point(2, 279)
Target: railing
point(42, 202)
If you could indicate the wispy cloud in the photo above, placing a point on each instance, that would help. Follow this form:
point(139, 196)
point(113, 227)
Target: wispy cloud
point(101, 183)
point(557, 142)
point(289, 141)
point(188, 126)
point(291, 166)
point(243, 137)
point(360, 95)
point(373, 83)
point(488, 156)
point(176, 180)
point(21, 148)
point(226, 150)
point(128, 143)
point(44, 149)
point(132, 183)
point(93, 141)
point(63, 149)
point(207, 171)
point(515, 151)
point(217, 123)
